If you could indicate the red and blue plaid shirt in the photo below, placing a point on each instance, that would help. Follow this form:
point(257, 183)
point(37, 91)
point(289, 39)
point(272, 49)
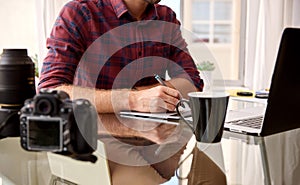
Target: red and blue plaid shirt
point(98, 43)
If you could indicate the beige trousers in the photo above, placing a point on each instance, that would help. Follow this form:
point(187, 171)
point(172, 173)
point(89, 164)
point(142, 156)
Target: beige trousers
point(130, 165)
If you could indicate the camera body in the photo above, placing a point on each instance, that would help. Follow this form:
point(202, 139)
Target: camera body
point(52, 122)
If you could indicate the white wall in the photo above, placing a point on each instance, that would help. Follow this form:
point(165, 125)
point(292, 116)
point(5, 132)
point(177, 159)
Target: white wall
point(18, 25)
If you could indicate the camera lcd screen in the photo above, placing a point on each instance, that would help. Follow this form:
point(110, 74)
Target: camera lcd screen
point(45, 135)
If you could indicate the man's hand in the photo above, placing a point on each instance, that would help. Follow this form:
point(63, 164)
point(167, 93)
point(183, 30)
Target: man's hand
point(156, 99)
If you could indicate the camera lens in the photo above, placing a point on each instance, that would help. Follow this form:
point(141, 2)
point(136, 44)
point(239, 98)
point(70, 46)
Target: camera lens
point(17, 81)
point(44, 106)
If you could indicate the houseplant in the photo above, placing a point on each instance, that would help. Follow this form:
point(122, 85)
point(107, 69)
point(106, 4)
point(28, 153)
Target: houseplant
point(206, 69)
point(206, 66)
point(35, 61)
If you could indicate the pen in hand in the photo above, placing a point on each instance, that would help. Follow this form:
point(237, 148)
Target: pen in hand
point(158, 78)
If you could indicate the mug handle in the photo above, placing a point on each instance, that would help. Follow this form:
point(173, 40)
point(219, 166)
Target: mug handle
point(189, 123)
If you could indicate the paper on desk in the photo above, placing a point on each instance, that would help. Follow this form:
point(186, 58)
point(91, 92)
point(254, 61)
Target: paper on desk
point(157, 120)
point(161, 115)
point(250, 99)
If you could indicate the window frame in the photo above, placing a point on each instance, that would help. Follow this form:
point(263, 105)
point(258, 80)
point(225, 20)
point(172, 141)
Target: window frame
point(242, 41)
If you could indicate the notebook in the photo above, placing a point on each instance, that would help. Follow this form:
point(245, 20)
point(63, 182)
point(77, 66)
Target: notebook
point(159, 117)
point(282, 112)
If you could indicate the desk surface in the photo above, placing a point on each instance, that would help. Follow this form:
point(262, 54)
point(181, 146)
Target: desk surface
point(243, 159)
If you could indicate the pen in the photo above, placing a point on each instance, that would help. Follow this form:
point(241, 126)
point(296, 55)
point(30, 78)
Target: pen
point(158, 78)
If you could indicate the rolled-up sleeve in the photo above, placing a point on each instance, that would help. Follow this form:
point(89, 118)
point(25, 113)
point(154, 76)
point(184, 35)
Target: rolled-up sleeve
point(65, 47)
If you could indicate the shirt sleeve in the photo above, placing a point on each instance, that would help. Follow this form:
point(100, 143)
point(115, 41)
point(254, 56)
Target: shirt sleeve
point(65, 47)
point(186, 67)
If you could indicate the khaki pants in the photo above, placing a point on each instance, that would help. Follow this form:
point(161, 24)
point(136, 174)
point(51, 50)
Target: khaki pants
point(204, 171)
point(130, 165)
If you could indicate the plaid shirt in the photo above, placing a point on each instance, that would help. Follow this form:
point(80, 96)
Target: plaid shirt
point(97, 43)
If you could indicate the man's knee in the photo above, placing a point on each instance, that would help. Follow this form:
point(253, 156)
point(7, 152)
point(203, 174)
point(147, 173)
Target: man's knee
point(134, 175)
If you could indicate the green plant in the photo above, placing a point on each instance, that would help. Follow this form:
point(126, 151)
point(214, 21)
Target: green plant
point(206, 66)
point(35, 61)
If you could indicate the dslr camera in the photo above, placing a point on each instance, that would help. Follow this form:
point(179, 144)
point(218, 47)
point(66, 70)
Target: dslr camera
point(50, 121)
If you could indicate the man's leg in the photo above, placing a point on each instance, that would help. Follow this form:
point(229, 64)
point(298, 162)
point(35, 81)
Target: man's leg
point(205, 171)
point(167, 167)
point(134, 175)
point(127, 166)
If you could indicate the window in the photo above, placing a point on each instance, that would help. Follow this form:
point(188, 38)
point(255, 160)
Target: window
point(212, 21)
point(220, 25)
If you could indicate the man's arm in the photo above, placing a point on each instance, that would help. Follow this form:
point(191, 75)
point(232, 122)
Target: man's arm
point(182, 65)
point(183, 85)
point(156, 99)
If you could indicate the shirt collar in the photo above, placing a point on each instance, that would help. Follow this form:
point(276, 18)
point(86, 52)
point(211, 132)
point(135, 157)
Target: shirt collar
point(120, 9)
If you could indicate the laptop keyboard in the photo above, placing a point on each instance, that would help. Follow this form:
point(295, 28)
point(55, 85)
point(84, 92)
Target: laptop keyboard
point(254, 122)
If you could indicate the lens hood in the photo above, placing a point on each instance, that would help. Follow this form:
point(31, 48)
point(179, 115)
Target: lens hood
point(17, 82)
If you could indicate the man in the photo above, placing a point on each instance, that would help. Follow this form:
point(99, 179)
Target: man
point(81, 24)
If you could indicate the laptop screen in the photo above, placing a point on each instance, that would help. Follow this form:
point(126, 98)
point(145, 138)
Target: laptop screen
point(283, 110)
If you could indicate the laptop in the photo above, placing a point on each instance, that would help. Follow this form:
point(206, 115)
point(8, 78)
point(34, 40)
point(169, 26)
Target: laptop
point(282, 111)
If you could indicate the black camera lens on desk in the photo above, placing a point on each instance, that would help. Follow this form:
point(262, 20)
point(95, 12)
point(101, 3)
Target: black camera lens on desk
point(17, 83)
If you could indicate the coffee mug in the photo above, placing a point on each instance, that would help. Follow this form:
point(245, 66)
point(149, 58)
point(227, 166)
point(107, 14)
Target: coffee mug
point(208, 114)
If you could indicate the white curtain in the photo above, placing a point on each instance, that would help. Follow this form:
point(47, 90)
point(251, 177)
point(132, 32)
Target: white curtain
point(47, 12)
point(266, 21)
